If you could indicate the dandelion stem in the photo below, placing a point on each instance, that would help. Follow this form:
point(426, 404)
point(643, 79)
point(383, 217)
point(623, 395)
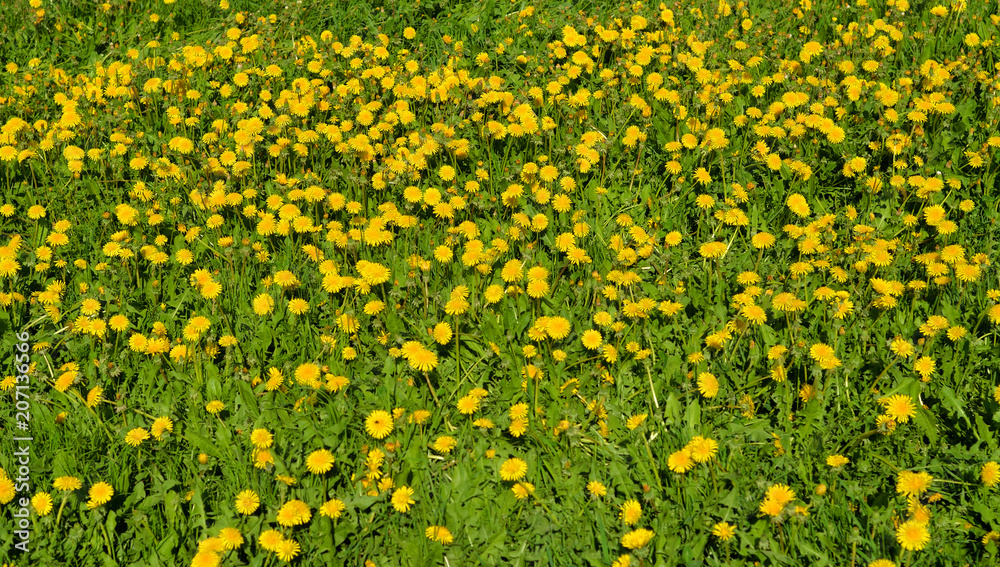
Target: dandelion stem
point(107, 540)
point(861, 437)
point(458, 360)
point(652, 463)
point(732, 351)
point(884, 370)
point(582, 361)
point(535, 378)
point(433, 393)
point(652, 388)
point(61, 506)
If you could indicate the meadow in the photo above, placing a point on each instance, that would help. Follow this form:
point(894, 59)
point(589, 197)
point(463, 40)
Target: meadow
point(499, 283)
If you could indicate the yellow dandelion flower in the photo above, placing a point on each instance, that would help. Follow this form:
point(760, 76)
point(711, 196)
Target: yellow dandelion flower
point(320, 461)
point(708, 385)
point(912, 535)
point(99, 495)
point(379, 424)
point(513, 469)
point(637, 539)
point(439, 534)
point(702, 449)
point(596, 489)
point(402, 499)
point(680, 461)
point(724, 531)
point(42, 503)
point(837, 461)
point(899, 407)
point(990, 474)
point(136, 436)
point(247, 502)
point(444, 444)
point(909, 483)
point(630, 512)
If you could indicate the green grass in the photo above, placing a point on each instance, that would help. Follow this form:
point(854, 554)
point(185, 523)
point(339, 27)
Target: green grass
point(182, 191)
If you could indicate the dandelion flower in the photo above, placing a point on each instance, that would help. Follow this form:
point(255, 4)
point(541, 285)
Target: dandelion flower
point(444, 444)
point(771, 507)
point(925, 367)
point(724, 531)
point(402, 499)
point(899, 407)
point(181, 144)
point(591, 339)
point(798, 205)
point(558, 327)
point(67, 483)
point(136, 436)
point(42, 503)
point(424, 360)
point(205, 558)
point(270, 539)
point(36, 212)
point(7, 487)
point(99, 494)
point(990, 474)
point(837, 461)
point(630, 513)
point(513, 469)
point(247, 502)
point(702, 449)
point(909, 483)
point(379, 424)
point(680, 461)
point(820, 351)
point(468, 405)
point(287, 550)
point(263, 304)
point(261, 438)
point(708, 385)
point(118, 323)
point(442, 333)
point(762, 240)
point(636, 421)
point(754, 314)
point(912, 535)
point(596, 489)
point(298, 306)
point(293, 513)
point(319, 461)
point(231, 538)
point(901, 347)
point(637, 539)
point(522, 490)
point(956, 333)
point(440, 534)
point(332, 508)
point(373, 274)
point(713, 249)
point(780, 493)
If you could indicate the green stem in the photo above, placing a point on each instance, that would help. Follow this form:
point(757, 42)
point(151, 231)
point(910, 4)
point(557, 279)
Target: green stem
point(433, 393)
point(61, 506)
point(652, 463)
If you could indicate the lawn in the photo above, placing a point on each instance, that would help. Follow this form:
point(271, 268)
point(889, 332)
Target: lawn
point(499, 283)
